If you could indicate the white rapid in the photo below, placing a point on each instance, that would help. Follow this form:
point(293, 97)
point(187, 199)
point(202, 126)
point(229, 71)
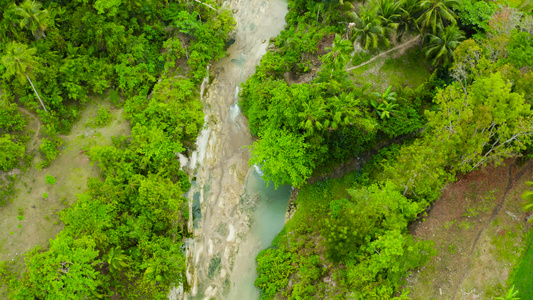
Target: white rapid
point(227, 232)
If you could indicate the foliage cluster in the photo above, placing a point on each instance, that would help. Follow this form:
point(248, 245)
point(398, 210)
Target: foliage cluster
point(306, 126)
point(122, 238)
point(12, 125)
point(481, 114)
point(69, 50)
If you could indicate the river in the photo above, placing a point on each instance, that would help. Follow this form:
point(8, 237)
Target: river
point(235, 213)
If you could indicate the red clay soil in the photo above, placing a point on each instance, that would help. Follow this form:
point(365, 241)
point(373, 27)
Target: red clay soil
point(457, 230)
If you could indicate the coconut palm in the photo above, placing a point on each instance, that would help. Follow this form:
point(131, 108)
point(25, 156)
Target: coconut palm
point(388, 10)
point(436, 13)
point(440, 47)
point(367, 29)
point(410, 11)
point(116, 259)
point(20, 61)
point(33, 18)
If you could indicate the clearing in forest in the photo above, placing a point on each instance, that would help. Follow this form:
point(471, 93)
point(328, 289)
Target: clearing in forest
point(31, 217)
point(404, 67)
point(479, 229)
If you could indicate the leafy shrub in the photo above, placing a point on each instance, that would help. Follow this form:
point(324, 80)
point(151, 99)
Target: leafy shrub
point(50, 179)
point(10, 152)
point(103, 118)
point(49, 151)
point(274, 266)
point(10, 118)
point(309, 272)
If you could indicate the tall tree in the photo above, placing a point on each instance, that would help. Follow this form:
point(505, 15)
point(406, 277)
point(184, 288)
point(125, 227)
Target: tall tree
point(20, 61)
point(488, 124)
point(441, 46)
point(436, 14)
point(32, 17)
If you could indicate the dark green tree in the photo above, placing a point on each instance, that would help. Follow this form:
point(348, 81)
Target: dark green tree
point(437, 14)
point(441, 46)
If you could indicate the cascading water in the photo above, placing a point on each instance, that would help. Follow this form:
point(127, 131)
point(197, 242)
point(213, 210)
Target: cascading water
point(234, 213)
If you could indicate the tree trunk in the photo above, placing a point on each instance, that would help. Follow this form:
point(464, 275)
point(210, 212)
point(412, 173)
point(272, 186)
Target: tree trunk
point(37, 94)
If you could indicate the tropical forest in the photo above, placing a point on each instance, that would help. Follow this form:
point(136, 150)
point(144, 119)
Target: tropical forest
point(266, 149)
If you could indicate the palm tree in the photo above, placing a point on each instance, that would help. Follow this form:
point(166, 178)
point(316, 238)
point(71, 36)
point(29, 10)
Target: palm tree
point(440, 47)
point(436, 12)
point(388, 10)
point(528, 196)
point(367, 29)
point(20, 61)
point(33, 18)
point(410, 10)
point(116, 259)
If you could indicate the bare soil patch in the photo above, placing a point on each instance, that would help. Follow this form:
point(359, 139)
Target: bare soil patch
point(478, 228)
point(31, 218)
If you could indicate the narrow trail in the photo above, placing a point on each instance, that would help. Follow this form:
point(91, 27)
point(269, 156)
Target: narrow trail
point(38, 130)
point(493, 215)
point(405, 45)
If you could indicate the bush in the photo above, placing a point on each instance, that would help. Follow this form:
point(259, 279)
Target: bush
point(49, 151)
point(274, 266)
point(10, 152)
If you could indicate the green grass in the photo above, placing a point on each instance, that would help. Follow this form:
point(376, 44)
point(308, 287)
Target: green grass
point(410, 69)
point(523, 276)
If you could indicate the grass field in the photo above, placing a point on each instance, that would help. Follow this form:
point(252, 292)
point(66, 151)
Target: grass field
point(397, 68)
point(523, 275)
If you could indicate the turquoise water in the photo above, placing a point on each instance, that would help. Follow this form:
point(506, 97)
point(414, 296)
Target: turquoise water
point(267, 220)
point(269, 215)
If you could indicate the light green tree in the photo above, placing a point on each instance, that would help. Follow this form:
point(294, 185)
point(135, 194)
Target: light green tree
point(20, 61)
point(488, 124)
point(386, 103)
point(283, 158)
point(66, 271)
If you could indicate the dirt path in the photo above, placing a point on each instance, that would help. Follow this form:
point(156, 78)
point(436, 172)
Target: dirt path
point(37, 120)
point(478, 227)
point(495, 212)
point(403, 46)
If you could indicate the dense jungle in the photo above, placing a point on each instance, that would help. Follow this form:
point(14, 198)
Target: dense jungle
point(266, 149)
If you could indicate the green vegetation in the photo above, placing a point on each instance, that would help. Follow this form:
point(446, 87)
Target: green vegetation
point(122, 237)
point(466, 105)
point(468, 114)
point(50, 180)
